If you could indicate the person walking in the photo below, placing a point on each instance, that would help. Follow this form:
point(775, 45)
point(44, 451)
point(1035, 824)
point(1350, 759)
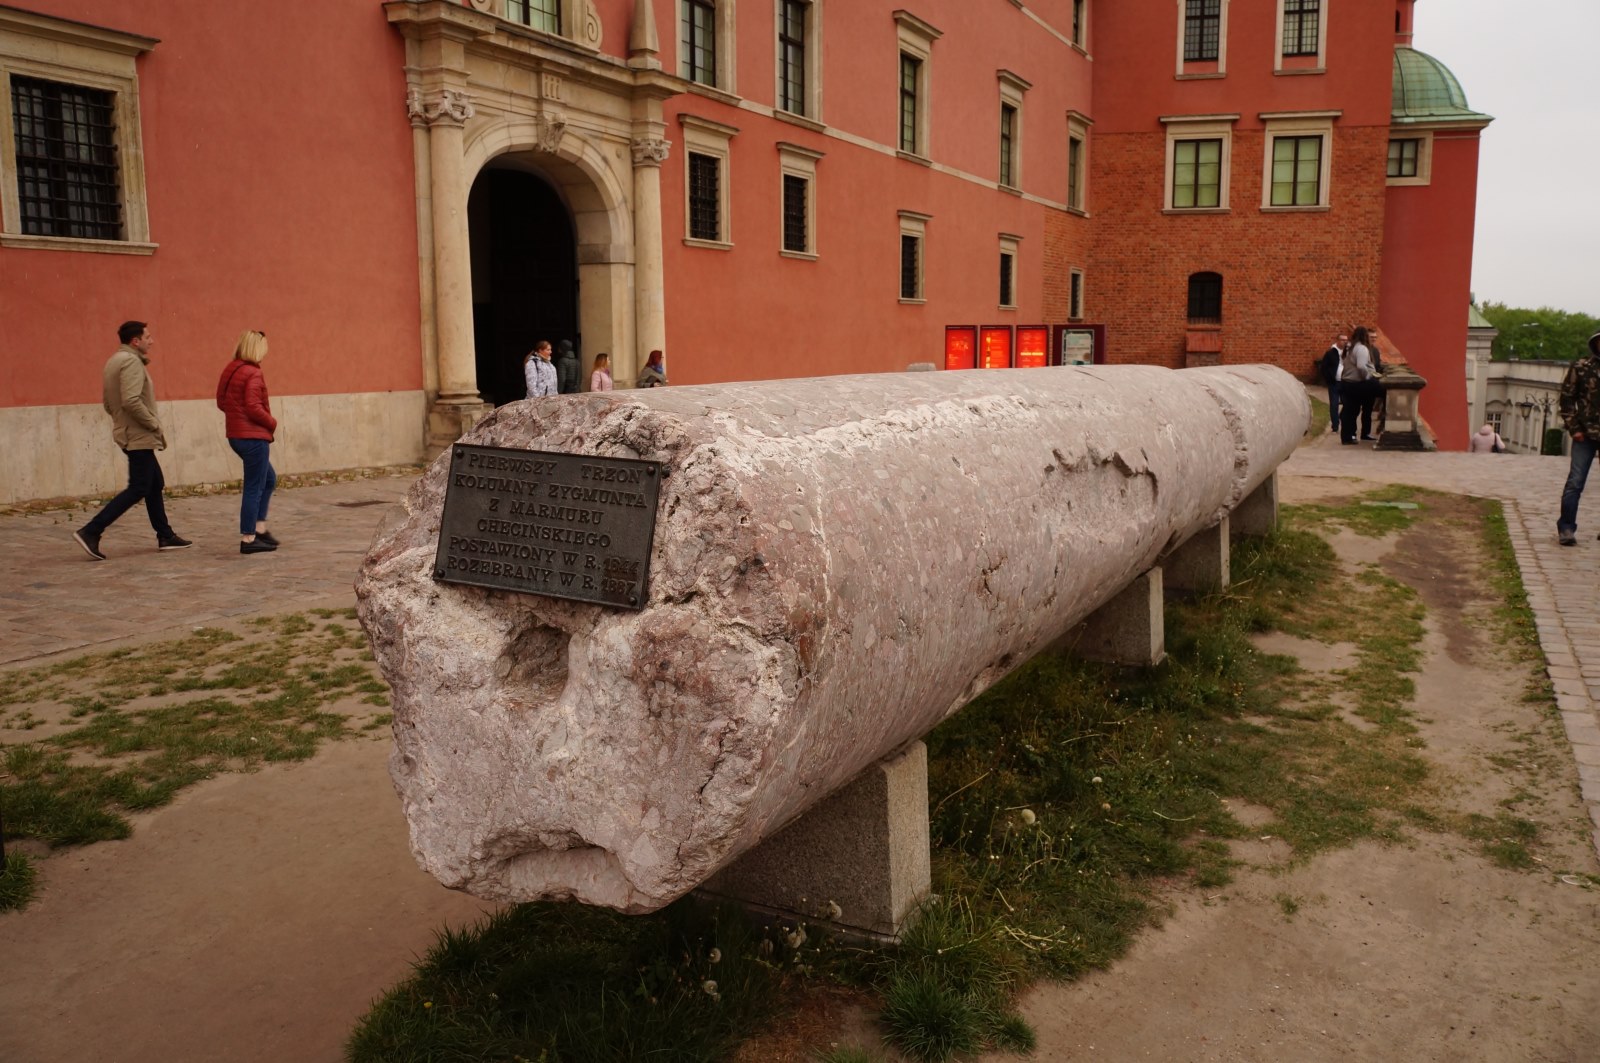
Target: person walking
point(242, 398)
point(1356, 388)
point(569, 370)
point(1486, 441)
point(654, 373)
point(129, 397)
point(1580, 413)
point(538, 372)
point(1329, 367)
point(600, 379)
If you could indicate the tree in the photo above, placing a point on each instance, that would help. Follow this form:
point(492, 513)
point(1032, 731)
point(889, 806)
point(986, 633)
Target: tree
point(1545, 334)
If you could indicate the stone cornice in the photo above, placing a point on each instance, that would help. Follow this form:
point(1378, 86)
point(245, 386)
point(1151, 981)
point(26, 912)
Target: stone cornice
point(46, 27)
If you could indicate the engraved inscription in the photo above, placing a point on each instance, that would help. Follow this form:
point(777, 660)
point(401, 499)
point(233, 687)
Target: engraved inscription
point(565, 525)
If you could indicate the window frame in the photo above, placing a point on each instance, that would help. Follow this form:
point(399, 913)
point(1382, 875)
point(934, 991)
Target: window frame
point(1079, 35)
point(1012, 91)
point(724, 38)
point(571, 23)
point(811, 66)
point(1201, 68)
point(530, 14)
point(1010, 271)
point(91, 57)
point(1312, 62)
point(1078, 168)
point(797, 161)
point(1202, 320)
point(1424, 174)
point(1075, 293)
point(702, 136)
point(1279, 125)
point(915, 39)
point(914, 226)
point(1182, 128)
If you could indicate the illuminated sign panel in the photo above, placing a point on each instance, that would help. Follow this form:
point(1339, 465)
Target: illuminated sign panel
point(1033, 346)
point(994, 347)
point(960, 347)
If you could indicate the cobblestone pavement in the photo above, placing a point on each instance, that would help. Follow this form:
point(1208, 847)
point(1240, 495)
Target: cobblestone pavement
point(57, 600)
point(1561, 581)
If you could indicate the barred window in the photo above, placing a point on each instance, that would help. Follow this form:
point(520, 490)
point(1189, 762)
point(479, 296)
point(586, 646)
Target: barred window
point(792, 56)
point(1075, 172)
point(699, 44)
point(1007, 279)
point(540, 14)
point(910, 75)
point(910, 266)
point(1075, 298)
point(68, 178)
point(796, 232)
point(1205, 299)
point(1202, 30)
point(705, 197)
point(1300, 26)
point(1403, 157)
point(1077, 22)
point(1296, 171)
point(1196, 173)
point(1008, 145)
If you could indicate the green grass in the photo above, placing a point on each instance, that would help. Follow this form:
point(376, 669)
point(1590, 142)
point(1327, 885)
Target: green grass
point(18, 882)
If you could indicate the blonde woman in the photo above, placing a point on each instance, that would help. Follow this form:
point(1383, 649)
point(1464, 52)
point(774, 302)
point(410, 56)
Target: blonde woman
point(600, 379)
point(242, 397)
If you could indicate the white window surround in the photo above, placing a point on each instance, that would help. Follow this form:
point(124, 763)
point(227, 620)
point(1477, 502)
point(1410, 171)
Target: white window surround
point(702, 136)
point(1321, 64)
point(1424, 137)
point(795, 160)
point(576, 24)
point(1298, 124)
point(1009, 243)
point(1199, 127)
point(915, 223)
point(727, 68)
point(916, 39)
point(1075, 306)
point(813, 63)
point(74, 53)
point(1012, 89)
point(1078, 129)
point(1222, 45)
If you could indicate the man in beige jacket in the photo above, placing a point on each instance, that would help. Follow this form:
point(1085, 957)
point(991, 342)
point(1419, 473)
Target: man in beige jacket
point(129, 397)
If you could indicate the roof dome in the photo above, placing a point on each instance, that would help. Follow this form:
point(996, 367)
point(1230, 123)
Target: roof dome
point(1426, 91)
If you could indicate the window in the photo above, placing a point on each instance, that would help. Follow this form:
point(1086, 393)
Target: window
point(1494, 421)
point(1403, 157)
point(1008, 271)
point(1202, 31)
point(916, 49)
point(1411, 159)
point(1077, 22)
point(698, 43)
point(798, 168)
point(792, 17)
point(1297, 160)
point(1075, 296)
point(1008, 145)
point(1205, 299)
point(1197, 174)
point(1077, 174)
point(913, 232)
point(70, 145)
point(540, 14)
point(1302, 21)
point(706, 155)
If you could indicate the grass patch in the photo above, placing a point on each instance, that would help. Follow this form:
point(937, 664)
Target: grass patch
point(18, 881)
point(131, 728)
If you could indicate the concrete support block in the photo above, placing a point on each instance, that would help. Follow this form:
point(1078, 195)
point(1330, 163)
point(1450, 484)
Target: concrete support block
point(863, 850)
point(1201, 564)
point(1257, 515)
point(1129, 629)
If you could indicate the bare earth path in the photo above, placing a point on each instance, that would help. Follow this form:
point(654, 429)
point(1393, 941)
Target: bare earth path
point(255, 917)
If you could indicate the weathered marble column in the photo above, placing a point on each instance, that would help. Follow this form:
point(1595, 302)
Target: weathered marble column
point(649, 270)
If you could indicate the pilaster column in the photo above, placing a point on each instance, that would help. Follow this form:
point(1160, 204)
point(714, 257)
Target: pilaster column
point(649, 270)
point(446, 112)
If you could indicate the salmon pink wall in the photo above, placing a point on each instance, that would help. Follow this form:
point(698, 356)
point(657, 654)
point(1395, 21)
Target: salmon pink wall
point(278, 164)
point(1427, 280)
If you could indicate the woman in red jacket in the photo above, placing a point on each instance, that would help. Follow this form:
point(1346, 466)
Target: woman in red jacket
point(242, 397)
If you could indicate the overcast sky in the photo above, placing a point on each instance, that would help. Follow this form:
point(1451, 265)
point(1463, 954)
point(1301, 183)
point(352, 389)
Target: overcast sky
point(1536, 68)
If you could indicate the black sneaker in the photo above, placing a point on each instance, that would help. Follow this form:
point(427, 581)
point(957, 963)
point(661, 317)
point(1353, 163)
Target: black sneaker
point(268, 538)
point(172, 542)
point(90, 541)
point(1567, 538)
point(256, 547)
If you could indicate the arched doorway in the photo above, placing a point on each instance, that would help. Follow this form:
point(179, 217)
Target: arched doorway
point(524, 275)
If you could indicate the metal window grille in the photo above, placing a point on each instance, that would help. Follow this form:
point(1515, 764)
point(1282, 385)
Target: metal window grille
point(705, 197)
point(1296, 171)
point(1205, 299)
point(1300, 26)
point(910, 266)
point(1008, 145)
point(1007, 271)
point(1077, 22)
point(540, 14)
point(1075, 299)
point(68, 177)
point(1202, 30)
point(700, 41)
point(792, 56)
point(1196, 174)
point(796, 193)
point(1403, 157)
point(1075, 172)
point(910, 73)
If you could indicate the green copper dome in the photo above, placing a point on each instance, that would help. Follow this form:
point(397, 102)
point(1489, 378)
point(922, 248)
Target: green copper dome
point(1426, 91)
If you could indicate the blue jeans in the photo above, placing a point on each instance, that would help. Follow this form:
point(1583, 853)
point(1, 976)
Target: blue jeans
point(145, 483)
point(259, 480)
point(1583, 453)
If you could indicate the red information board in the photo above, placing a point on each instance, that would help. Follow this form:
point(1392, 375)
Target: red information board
point(1033, 346)
point(994, 347)
point(960, 347)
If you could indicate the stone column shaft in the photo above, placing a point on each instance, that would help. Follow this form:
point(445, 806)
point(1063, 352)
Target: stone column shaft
point(649, 270)
point(452, 267)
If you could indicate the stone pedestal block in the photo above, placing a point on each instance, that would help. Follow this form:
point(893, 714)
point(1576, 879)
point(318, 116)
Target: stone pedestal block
point(858, 861)
point(1129, 629)
point(1257, 515)
point(1200, 564)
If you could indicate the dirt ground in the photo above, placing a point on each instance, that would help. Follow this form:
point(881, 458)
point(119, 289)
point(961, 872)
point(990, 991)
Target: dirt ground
point(256, 917)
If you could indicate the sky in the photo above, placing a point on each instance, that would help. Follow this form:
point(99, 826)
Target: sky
point(1535, 67)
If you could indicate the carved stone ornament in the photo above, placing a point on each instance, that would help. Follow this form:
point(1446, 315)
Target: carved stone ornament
point(552, 126)
point(491, 6)
point(445, 106)
point(589, 33)
point(651, 151)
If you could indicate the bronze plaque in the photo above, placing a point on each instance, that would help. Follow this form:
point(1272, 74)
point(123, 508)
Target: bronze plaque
point(537, 522)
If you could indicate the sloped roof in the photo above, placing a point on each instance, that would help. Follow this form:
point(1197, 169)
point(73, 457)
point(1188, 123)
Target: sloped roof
point(1426, 91)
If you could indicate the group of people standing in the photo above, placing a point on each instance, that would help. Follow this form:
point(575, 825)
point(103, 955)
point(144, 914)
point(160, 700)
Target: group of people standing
point(1350, 368)
point(128, 395)
point(548, 374)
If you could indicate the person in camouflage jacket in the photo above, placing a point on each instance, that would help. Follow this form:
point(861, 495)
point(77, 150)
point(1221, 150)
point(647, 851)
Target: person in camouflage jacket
point(1580, 412)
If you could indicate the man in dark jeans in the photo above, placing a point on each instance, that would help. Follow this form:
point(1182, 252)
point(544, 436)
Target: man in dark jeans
point(1330, 376)
point(129, 397)
point(1580, 412)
